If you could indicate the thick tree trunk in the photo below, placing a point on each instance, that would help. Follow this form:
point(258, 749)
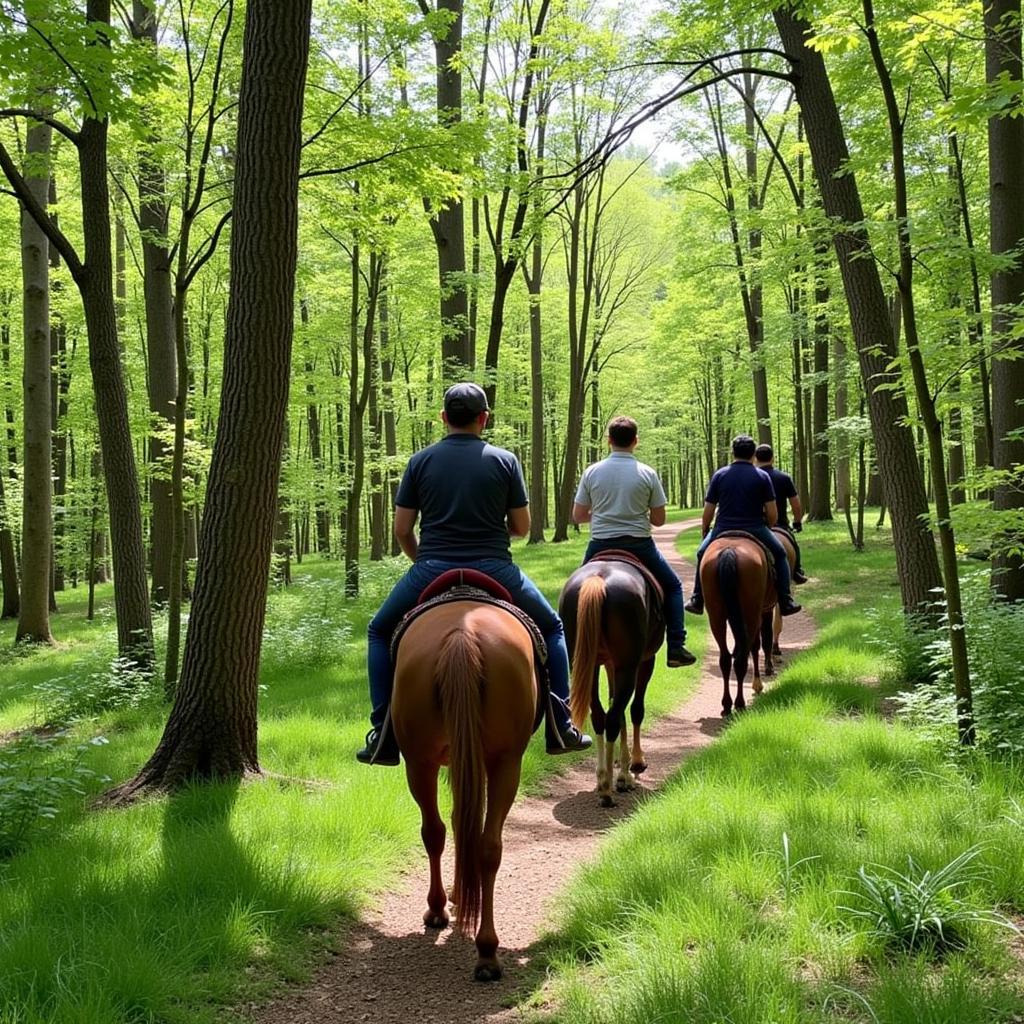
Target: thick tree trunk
point(37, 511)
point(8, 561)
point(538, 490)
point(843, 483)
point(916, 559)
point(1006, 226)
point(161, 364)
point(212, 728)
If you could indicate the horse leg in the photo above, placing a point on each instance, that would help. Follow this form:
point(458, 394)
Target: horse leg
point(599, 718)
point(502, 786)
point(725, 666)
point(636, 713)
point(615, 727)
point(776, 632)
point(740, 660)
point(422, 778)
point(764, 644)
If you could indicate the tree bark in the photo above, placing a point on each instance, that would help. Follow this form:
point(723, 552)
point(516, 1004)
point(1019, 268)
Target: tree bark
point(37, 508)
point(820, 506)
point(1006, 227)
point(916, 560)
point(211, 732)
point(8, 561)
point(161, 363)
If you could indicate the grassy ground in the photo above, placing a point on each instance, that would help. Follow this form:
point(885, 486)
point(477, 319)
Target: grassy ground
point(174, 909)
point(732, 896)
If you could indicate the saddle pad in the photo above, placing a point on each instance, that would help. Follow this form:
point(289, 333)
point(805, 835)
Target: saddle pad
point(620, 555)
point(465, 578)
point(764, 547)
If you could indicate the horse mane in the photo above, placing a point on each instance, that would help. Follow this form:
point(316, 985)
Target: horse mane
point(459, 674)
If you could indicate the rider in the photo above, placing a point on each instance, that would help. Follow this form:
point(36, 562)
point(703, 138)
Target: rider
point(622, 499)
point(745, 498)
point(784, 489)
point(471, 497)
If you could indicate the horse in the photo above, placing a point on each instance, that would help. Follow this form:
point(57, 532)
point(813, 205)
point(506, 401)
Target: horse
point(465, 695)
point(611, 619)
point(734, 577)
point(771, 618)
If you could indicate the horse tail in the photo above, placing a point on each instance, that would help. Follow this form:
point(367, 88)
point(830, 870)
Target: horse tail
point(589, 606)
point(729, 588)
point(460, 673)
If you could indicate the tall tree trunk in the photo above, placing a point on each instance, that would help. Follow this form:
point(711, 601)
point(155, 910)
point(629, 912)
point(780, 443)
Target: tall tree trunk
point(37, 517)
point(161, 364)
point(1006, 227)
point(211, 732)
point(843, 483)
point(8, 561)
point(821, 478)
point(916, 560)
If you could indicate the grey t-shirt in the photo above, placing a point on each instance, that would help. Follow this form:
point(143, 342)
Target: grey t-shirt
point(620, 491)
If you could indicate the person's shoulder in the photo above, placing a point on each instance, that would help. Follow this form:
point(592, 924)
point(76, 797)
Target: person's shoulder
point(501, 454)
point(764, 474)
point(646, 470)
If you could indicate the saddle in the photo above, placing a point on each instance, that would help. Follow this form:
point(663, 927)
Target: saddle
point(769, 554)
point(621, 555)
point(473, 585)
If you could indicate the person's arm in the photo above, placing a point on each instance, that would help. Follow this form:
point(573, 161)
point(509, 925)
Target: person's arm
point(658, 501)
point(771, 513)
point(581, 513)
point(658, 516)
point(706, 519)
point(519, 521)
point(798, 511)
point(405, 530)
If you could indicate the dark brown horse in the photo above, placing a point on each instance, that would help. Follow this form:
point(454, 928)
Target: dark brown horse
point(771, 617)
point(734, 577)
point(465, 696)
point(612, 620)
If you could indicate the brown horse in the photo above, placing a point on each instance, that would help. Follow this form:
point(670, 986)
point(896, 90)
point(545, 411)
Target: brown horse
point(465, 695)
point(771, 617)
point(734, 576)
point(611, 620)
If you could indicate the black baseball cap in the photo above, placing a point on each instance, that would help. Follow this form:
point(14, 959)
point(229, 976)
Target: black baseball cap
point(465, 397)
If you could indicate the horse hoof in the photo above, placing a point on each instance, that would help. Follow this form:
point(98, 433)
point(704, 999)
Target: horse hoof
point(776, 651)
point(726, 712)
point(438, 921)
point(758, 686)
point(623, 785)
point(638, 767)
point(487, 972)
point(607, 801)
point(740, 707)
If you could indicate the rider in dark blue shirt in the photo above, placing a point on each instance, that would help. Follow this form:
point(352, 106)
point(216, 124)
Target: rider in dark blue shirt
point(786, 494)
point(744, 498)
point(469, 497)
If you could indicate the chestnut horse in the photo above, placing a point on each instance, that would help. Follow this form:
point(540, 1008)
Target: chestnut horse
point(465, 696)
point(611, 620)
point(734, 577)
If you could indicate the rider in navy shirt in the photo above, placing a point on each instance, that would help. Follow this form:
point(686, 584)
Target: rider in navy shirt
point(744, 498)
point(469, 497)
point(786, 495)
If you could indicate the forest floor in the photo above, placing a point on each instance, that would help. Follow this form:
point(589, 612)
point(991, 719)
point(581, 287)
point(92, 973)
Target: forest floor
point(390, 969)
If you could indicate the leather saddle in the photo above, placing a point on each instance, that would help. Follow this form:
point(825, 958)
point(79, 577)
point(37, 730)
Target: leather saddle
point(621, 555)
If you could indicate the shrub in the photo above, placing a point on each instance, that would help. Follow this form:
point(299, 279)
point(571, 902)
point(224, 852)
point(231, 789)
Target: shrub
point(71, 698)
point(37, 777)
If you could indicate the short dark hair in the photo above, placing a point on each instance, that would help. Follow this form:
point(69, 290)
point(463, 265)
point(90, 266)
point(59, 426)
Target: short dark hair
point(622, 431)
point(764, 453)
point(743, 446)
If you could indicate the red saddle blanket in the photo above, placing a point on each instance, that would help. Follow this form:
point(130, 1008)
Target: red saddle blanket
point(465, 578)
point(621, 555)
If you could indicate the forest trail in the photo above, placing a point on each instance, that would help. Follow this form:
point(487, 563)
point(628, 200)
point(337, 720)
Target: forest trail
point(390, 970)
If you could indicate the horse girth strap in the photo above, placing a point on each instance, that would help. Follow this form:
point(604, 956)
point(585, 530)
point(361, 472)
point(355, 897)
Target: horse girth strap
point(743, 535)
point(475, 594)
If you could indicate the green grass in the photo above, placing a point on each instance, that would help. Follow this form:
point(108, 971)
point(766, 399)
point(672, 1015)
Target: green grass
point(172, 910)
point(722, 900)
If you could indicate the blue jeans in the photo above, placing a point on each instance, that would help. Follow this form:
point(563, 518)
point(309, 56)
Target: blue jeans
point(770, 541)
point(647, 551)
point(404, 596)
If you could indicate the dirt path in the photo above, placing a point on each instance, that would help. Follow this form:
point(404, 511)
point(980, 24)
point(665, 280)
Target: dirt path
point(391, 970)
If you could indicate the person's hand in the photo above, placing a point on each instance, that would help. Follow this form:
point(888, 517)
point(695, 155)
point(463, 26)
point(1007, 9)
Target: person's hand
point(798, 527)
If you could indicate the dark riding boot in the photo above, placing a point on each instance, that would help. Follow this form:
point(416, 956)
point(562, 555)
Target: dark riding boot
point(695, 606)
point(381, 748)
point(799, 576)
point(787, 606)
point(679, 656)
